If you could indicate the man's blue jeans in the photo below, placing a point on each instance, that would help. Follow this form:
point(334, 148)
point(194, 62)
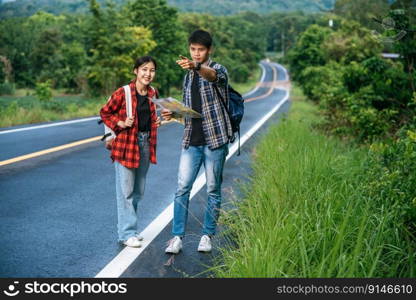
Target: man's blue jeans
point(190, 163)
point(130, 183)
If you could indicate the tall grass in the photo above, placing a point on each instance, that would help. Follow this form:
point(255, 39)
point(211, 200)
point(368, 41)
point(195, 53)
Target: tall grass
point(306, 214)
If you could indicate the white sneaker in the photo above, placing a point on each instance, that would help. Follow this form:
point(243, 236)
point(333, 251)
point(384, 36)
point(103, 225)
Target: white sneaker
point(174, 246)
point(205, 244)
point(132, 242)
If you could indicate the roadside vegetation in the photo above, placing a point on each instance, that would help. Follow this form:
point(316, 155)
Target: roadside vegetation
point(316, 207)
point(81, 58)
point(333, 189)
point(45, 105)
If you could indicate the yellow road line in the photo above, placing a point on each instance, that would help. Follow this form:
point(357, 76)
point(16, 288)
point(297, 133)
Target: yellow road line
point(269, 92)
point(47, 151)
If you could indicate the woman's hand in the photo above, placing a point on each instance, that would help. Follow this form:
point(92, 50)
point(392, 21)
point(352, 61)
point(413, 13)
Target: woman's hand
point(109, 143)
point(166, 114)
point(127, 123)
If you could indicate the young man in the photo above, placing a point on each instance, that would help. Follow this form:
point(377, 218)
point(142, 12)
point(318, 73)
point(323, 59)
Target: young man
point(205, 140)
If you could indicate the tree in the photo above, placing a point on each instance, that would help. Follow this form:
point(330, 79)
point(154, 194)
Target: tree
point(42, 47)
point(308, 51)
point(44, 55)
point(362, 11)
point(351, 42)
point(404, 17)
point(7, 69)
point(284, 28)
point(18, 38)
point(115, 45)
point(162, 21)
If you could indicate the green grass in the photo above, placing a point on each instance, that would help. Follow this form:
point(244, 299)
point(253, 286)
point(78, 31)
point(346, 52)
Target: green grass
point(305, 213)
point(28, 109)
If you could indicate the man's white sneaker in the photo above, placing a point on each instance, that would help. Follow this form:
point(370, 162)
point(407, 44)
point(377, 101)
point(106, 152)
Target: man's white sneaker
point(132, 242)
point(139, 237)
point(205, 244)
point(174, 246)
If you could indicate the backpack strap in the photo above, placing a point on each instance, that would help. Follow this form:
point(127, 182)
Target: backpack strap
point(222, 101)
point(211, 65)
point(155, 92)
point(127, 93)
point(107, 131)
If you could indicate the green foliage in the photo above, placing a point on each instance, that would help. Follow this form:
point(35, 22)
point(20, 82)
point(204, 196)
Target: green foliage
point(170, 40)
point(94, 53)
point(391, 173)
point(7, 88)
point(379, 97)
point(362, 11)
point(406, 45)
point(37, 48)
point(307, 210)
point(283, 28)
point(362, 96)
point(308, 51)
point(43, 91)
point(351, 42)
point(366, 122)
point(114, 46)
point(358, 100)
point(44, 55)
point(228, 7)
point(72, 61)
point(321, 81)
point(23, 8)
point(54, 105)
point(10, 109)
point(29, 109)
point(16, 42)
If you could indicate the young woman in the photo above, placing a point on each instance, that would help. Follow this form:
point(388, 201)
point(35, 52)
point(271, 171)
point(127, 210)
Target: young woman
point(134, 147)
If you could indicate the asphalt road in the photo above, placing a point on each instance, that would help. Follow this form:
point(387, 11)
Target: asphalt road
point(58, 216)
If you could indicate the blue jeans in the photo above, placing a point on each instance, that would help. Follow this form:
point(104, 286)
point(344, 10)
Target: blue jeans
point(130, 183)
point(189, 165)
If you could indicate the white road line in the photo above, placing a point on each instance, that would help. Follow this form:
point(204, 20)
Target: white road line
point(284, 70)
point(263, 75)
point(49, 125)
point(128, 255)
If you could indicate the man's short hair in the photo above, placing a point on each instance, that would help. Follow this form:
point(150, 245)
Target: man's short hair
point(201, 37)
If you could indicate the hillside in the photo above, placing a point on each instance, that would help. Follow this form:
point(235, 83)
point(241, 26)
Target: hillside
point(19, 8)
point(221, 7)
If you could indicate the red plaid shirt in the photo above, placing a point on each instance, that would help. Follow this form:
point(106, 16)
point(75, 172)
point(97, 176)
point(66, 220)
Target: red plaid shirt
point(125, 147)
